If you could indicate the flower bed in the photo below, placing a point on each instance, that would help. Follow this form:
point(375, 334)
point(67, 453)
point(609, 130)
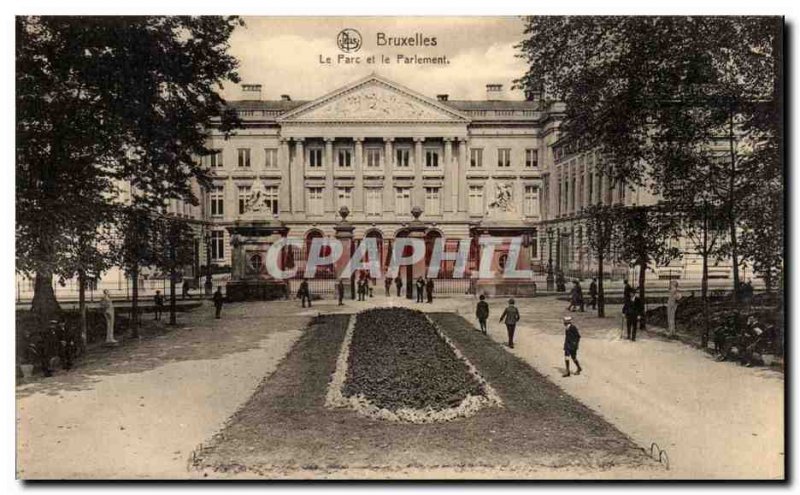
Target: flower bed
point(400, 367)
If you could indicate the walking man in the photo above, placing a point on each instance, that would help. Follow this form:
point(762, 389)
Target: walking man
point(218, 299)
point(510, 317)
point(429, 290)
point(304, 293)
point(635, 310)
point(159, 301)
point(593, 293)
point(340, 291)
point(108, 311)
point(571, 339)
point(398, 282)
point(482, 313)
point(420, 288)
point(387, 284)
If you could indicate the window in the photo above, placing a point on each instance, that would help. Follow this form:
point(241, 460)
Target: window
point(244, 195)
point(476, 157)
point(374, 201)
point(344, 197)
point(217, 245)
point(345, 157)
point(315, 157)
point(504, 157)
point(530, 204)
point(271, 199)
point(217, 198)
point(270, 158)
point(476, 200)
point(531, 158)
point(215, 159)
point(244, 157)
point(315, 201)
point(431, 158)
point(403, 155)
point(373, 157)
point(433, 201)
point(402, 203)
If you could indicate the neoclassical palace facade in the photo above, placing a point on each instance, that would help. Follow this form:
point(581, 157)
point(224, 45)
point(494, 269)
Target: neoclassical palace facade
point(382, 149)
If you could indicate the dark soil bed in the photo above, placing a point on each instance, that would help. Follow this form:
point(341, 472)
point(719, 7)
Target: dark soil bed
point(286, 427)
point(397, 359)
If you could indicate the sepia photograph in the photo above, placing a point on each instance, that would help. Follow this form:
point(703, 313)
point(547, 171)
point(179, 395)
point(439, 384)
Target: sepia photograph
point(524, 247)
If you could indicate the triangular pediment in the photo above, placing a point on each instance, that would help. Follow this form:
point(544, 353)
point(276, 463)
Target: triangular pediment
point(374, 99)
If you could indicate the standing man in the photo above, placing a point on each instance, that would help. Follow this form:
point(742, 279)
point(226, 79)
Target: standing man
point(573, 296)
point(159, 301)
point(634, 313)
point(510, 317)
point(108, 311)
point(361, 289)
point(429, 290)
point(579, 290)
point(398, 282)
point(340, 292)
point(482, 313)
point(387, 284)
point(420, 288)
point(672, 305)
point(571, 339)
point(593, 293)
point(627, 291)
point(304, 293)
point(218, 299)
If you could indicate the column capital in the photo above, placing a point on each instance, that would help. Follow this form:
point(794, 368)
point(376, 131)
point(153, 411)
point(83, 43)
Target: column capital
point(448, 139)
point(358, 139)
point(283, 140)
point(329, 139)
point(462, 139)
point(298, 139)
point(388, 139)
point(419, 139)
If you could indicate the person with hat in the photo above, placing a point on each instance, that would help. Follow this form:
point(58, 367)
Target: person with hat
point(510, 317)
point(571, 339)
point(482, 312)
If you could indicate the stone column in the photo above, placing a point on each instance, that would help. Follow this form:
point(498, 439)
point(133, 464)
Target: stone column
point(450, 187)
point(388, 165)
point(330, 207)
point(418, 196)
point(299, 172)
point(463, 192)
point(229, 194)
point(358, 186)
point(288, 179)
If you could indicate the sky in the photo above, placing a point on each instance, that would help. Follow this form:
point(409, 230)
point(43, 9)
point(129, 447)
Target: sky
point(283, 54)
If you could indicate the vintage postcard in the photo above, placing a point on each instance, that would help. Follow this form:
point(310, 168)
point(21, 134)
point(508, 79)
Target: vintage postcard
point(529, 248)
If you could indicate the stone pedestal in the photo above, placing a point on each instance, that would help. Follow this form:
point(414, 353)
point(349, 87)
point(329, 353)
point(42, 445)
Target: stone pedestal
point(250, 279)
point(415, 230)
point(498, 285)
point(344, 233)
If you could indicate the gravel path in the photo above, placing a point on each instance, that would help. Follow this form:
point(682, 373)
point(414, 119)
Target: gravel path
point(139, 411)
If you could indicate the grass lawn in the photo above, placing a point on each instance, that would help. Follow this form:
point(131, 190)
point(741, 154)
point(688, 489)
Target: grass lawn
point(285, 426)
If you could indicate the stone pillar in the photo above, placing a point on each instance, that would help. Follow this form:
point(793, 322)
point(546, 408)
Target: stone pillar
point(388, 165)
point(416, 230)
point(450, 198)
point(229, 194)
point(463, 191)
point(358, 186)
point(329, 193)
point(417, 195)
point(286, 189)
point(299, 172)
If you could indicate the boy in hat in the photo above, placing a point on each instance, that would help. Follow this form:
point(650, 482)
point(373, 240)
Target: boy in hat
point(571, 340)
point(482, 312)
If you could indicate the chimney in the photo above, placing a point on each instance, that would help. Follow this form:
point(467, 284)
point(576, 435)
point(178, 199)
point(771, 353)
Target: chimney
point(442, 97)
point(494, 92)
point(286, 98)
point(251, 92)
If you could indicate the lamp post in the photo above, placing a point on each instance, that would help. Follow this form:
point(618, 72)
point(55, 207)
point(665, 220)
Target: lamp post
point(208, 286)
point(549, 259)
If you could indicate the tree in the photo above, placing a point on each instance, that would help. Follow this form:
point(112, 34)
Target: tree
point(107, 99)
point(654, 94)
point(601, 224)
point(647, 238)
point(174, 250)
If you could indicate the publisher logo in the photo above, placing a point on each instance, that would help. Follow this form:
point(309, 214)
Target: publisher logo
point(349, 40)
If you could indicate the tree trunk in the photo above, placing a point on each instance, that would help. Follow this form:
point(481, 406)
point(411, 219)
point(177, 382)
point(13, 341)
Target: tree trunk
point(172, 276)
point(82, 306)
point(732, 210)
point(44, 304)
point(704, 283)
point(135, 302)
point(642, 277)
point(601, 299)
